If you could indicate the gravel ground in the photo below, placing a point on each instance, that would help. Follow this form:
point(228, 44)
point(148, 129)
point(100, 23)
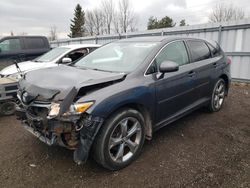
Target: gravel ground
point(200, 150)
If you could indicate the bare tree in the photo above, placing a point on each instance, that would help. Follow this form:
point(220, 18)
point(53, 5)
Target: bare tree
point(23, 34)
point(127, 16)
point(106, 19)
point(115, 21)
point(133, 23)
point(53, 33)
point(108, 13)
point(98, 21)
point(224, 12)
point(90, 22)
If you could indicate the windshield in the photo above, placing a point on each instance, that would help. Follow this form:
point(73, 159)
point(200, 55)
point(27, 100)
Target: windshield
point(51, 55)
point(117, 57)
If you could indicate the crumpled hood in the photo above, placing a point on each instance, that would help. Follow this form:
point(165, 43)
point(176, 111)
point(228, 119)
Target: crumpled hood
point(51, 81)
point(25, 67)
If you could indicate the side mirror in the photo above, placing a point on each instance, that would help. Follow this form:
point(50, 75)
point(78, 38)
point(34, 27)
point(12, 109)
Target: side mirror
point(168, 66)
point(66, 60)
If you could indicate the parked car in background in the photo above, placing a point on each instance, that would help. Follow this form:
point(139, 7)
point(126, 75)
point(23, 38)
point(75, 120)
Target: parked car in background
point(8, 89)
point(55, 57)
point(21, 48)
point(111, 100)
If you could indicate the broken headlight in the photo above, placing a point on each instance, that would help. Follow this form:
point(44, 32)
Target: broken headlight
point(76, 108)
point(54, 109)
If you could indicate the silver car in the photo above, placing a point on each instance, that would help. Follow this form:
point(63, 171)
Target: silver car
point(56, 56)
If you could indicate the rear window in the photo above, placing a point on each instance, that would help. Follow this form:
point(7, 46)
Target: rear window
point(35, 43)
point(215, 51)
point(199, 50)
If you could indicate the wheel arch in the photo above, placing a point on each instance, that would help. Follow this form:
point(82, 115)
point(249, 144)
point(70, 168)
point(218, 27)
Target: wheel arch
point(227, 81)
point(145, 113)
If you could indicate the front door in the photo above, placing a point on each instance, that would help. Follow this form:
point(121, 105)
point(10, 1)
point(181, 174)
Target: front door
point(174, 91)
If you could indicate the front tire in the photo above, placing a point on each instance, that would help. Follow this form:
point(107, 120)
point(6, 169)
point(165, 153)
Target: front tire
point(7, 108)
point(120, 140)
point(218, 96)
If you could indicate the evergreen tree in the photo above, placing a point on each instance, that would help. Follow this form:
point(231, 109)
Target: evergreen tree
point(77, 24)
point(183, 22)
point(152, 23)
point(166, 21)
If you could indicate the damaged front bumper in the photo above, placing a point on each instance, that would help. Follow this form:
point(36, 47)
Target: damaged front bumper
point(75, 132)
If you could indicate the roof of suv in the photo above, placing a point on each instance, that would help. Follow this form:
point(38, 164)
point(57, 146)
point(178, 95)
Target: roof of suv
point(156, 39)
point(22, 36)
point(75, 46)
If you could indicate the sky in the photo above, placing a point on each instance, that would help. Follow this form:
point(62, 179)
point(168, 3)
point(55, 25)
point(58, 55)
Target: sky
point(35, 17)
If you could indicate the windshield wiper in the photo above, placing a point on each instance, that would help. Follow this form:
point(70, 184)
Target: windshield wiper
point(102, 70)
point(96, 69)
point(37, 61)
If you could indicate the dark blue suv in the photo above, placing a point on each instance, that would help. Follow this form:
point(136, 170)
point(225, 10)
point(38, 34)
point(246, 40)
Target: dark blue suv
point(110, 101)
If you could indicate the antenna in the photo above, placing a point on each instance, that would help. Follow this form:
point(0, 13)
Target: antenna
point(18, 68)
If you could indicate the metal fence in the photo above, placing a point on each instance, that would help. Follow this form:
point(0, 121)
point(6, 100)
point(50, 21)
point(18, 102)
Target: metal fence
point(234, 38)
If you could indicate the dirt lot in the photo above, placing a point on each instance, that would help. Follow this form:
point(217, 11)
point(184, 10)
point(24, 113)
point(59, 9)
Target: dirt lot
point(200, 150)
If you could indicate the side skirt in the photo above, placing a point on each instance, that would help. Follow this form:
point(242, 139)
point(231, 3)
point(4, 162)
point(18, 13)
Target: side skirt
point(200, 103)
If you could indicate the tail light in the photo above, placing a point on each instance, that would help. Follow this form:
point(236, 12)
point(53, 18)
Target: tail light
point(229, 61)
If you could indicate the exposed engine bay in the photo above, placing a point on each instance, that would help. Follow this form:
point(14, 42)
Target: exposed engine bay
point(55, 117)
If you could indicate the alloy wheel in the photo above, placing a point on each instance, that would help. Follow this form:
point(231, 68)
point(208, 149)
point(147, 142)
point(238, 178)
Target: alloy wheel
point(125, 139)
point(219, 95)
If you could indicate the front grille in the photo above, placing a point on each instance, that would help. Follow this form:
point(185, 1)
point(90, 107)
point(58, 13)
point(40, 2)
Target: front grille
point(38, 111)
point(13, 94)
point(9, 88)
point(37, 118)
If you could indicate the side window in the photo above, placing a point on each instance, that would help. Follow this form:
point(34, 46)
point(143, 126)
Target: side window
point(175, 52)
point(35, 43)
point(10, 45)
point(215, 51)
point(77, 54)
point(92, 49)
point(199, 50)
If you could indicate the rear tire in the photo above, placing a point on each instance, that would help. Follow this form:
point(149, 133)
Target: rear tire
point(120, 139)
point(218, 96)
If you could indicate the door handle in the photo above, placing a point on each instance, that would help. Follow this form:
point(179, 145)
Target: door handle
point(215, 65)
point(191, 73)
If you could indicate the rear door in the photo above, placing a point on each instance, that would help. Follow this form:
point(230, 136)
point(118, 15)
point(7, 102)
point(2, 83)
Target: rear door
point(174, 92)
point(204, 65)
point(35, 46)
point(219, 61)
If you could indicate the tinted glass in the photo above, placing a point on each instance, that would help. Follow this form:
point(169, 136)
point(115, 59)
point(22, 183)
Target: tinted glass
point(199, 50)
point(52, 54)
point(117, 56)
point(77, 54)
point(175, 52)
point(214, 50)
point(10, 45)
point(35, 43)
